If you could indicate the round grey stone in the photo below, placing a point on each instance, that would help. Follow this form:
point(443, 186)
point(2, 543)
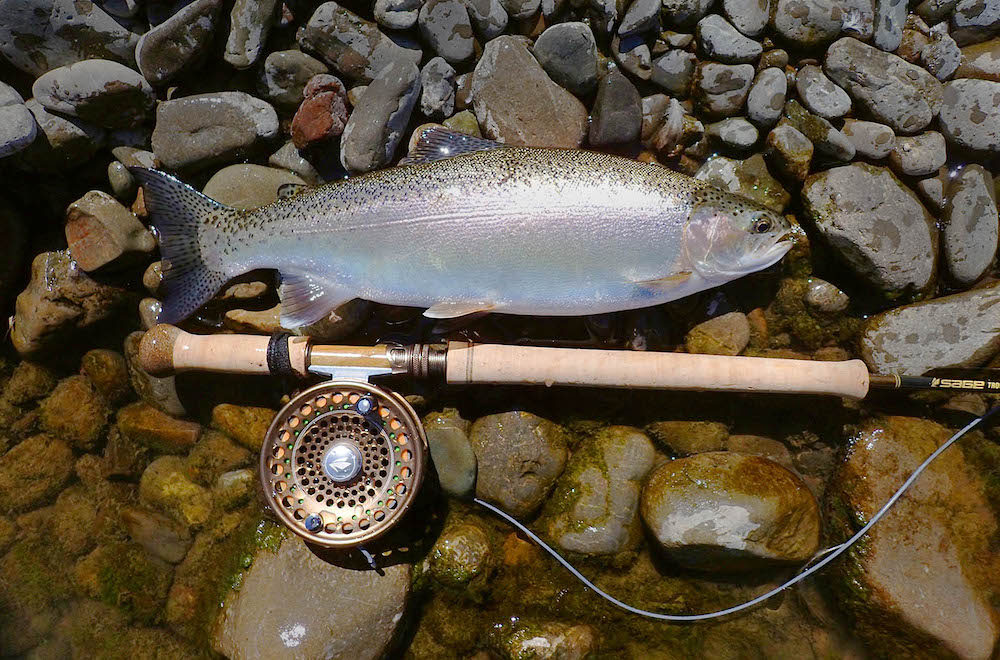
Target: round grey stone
point(941, 56)
point(674, 70)
point(919, 155)
point(766, 98)
point(825, 297)
point(808, 23)
point(568, 53)
point(284, 76)
point(177, 44)
point(827, 139)
point(617, 114)
point(969, 218)
point(748, 16)
point(437, 96)
point(102, 92)
point(251, 22)
point(970, 114)
point(445, 25)
point(722, 89)
point(521, 9)
point(397, 14)
point(790, 151)
point(890, 16)
point(17, 124)
point(735, 133)
point(975, 20)
point(685, 13)
point(642, 16)
point(488, 17)
point(375, 129)
point(820, 94)
point(633, 55)
point(722, 42)
point(870, 139)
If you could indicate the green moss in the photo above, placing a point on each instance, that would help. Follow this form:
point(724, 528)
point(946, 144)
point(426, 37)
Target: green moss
point(124, 575)
point(788, 312)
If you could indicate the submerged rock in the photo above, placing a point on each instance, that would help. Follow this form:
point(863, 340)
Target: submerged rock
point(33, 472)
point(749, 178)
point(165, 486)
point(460, 555)
point(519, 638)
point(152, 428)
point(728, 334)
point(246, 424)
point(125, 575)
point(451, 451)
point(75, 412)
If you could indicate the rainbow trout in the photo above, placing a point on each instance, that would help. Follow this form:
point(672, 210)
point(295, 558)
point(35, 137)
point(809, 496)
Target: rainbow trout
point(467, 225)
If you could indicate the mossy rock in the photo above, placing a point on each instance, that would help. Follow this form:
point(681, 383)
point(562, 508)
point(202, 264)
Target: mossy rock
point(108, 372)
point(125, 575)
point(33, 471)
point(246, 424)
point(461, 555)
point(214, 454)
point(35, 580)
point(165, 486)
point(683, 438)
point(75, 412)
point(157, 430)
point(788, 312)
point(74, 520)
point(29, 381)
point(101, 631)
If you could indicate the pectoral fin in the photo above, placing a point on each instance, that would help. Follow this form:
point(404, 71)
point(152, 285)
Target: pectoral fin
point(451, 310)
point(667, 282)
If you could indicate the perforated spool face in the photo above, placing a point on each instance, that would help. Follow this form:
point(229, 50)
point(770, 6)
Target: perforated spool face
point(342, 462)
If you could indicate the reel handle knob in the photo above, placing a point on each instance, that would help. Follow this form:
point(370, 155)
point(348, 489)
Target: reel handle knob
point(166, 350)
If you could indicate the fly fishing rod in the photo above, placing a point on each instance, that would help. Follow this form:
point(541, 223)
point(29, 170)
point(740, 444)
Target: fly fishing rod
point(343, 460)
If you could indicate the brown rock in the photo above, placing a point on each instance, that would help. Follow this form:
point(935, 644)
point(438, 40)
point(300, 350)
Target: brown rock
point(101, 232)
point(728, 334)
point(245, 424)
point(322, 115)
point(159, 535)
point(33, 472)
point(686, 438)
point(157, 430)
point(108, 372)
point(75, 412)
point(981, 61)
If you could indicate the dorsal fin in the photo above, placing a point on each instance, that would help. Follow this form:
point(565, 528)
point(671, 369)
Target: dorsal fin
point(438, 143)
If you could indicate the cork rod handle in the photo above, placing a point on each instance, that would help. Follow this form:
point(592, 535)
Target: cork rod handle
point(166, 350)
point(524, 365)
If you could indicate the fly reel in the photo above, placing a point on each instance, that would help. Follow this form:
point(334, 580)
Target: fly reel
point(342, 462)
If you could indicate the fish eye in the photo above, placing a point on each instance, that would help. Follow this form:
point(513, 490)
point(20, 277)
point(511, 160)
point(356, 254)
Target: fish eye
point(761, 225)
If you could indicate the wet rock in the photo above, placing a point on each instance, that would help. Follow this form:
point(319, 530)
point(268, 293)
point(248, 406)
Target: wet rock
point(123, 185)
point(75, 412)
point(870, 139)
point(568, 53)
point(33, 472)
point(105, 93)
point(685, 13)
point(824, 136)
point(521, 9)
point(919, 155)
point(248, 186)
point(517, 103)
point(674, 71)
point(59, 300)
point(735, 133)
point(322, 116)
point(633, 55)
point(790, 151)
point(161, 393)
point(213, 455)
point(375, 128)
point(101, 233)
point(152, 428)
point(39, 35)
point(74, 521)
point(17, 124)
point(289, 158)
point(245, 424)
point(935, 10)
point(727, 511)
point(524, 638)
point(355, 48)
point(776, 57)
point(808, 23)
point(206, 129)
point(28, 382)
point(178, 44)
point(519, 458)
point(974, 20)
point(876, 225)
point(397, 14)
point(489, 17)
point(749, 178)
point(981, 61)
point(722, 42)
point(641, 16)
point(437, 84)
point(728, 334)
point(820, 95)
point(284, 75)
point(123, 574)
point(326, 618)
point(235, 488)
point(893, 91)
point(969, 233)
point(970, 114)
point(721, 89)
point(617, 114)
point(446, 27)
point(107, 371)
point(251, 22)
point(766, 99)
point(917, 589)
point(36, 578)
point(748, 16)
point(464, 122)
point(686, 438)
point(932, 189)
point(890, 15)
point(942, 55)
point(122, 458)
point(454, 459)
point(825, 298)
point(164, 486)
point(460, 555)
point(60, 143)
point(594, 508)
point(160, 536)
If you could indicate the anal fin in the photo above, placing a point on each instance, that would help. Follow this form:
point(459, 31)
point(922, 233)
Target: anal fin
point(306, 299)
point(451, 310)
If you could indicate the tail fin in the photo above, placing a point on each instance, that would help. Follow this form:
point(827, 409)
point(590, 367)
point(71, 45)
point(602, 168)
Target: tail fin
point(186, 222)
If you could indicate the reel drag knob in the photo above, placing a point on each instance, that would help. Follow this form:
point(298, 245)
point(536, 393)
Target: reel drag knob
point(342, 462)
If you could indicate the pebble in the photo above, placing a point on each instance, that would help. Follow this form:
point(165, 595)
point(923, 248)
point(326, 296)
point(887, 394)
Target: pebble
point(617, 113)
point(289, 158)
point(164, 434)
point(488, 16)
point(397, 14)
point(464, 122)
point(437, 83)
point(890, 16)
point(641, 17)
point(687, 438)
point(974, 21)
point(454, 459)
point(685, 13)
point(776, 57)
point(970, 114)
point(808, 23)
point(521, 9)
point(749, 178)
point(790, 151)
point(322, 115)
point(376, 127)
point(517, 103)
point(75, 412)
point(179, 43)
point(932, 189)
point(248, 186)
point(446, 27)
point(355, 48)
point(902, 95)
point(820, 94)
point(460, 555)
point(722, 42)
point(160, 393)
point(870, 139)
point(941, 56)
point(935, 10)
point(251, 22)
point(149, 312)
point(17, 125)
point(198, 131)
point(735, 133)
point(825, 298)
point(246, 425)
point(981, 61)
point(674, 71)
point(519, 637)
point(728, 334)
point(568, 53)
point(47, 459)
point(284, 75)
point(633, 55)
point(594, 508)
point(726, 511)
point(159, 535)
point(969, 225)
point(60, 143)
point(827, 139)
point(101, 233)
point(164, 486)
point(102, 92)
point(106, 369)
point(122, 182)
point(918, 155)
point(721, 89)
point(748, 16)
point(519, 456)
point(766, 98)
point(463, 91)
point(876, 225)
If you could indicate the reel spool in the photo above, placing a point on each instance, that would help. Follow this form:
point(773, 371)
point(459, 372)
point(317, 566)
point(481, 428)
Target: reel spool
point(342, 462)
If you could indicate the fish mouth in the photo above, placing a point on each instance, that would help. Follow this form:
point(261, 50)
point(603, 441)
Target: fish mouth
point(774, 253)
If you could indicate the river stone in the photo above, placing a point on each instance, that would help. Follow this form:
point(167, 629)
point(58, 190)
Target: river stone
point(152, 428)
point(969, 233)
point(728, 334)
point(975, 20)
point(981, 61)
point(251, 22)
point(33, 472)
point(870, 139)
point(326, 619)
point(198, 131)
point(437, 84)
point(518, 104)
point(808, 23)
point(445, 26)
point(820, 94)
point(60, 143)
point(685, 13)
point(521, 9)
point(568, 53)
point(893, 91)
point(726, 511)
point(641, 16)
point(101, 232)
point(289, 158)
point(824, 136)
point(749, 178)
point(918, 585)
point(722, 42)
point(890, 15)
point(876, 225)
point(160, 393)
point(397, 14)
point(17, 124)
point(159, 535)
point(734, 133)
point(594, 508)
point(75, 412)
point(720, 90)
point(790, 151)
point(918, 155)
point(970, 114)
point(953, 331)
point(519, 457)
point(941, 56)
point(935, 10)
point(617, 114)
point(766, 99)
point(454, 460)
point(375, 128)
point(322, 116)
point(460, 555)
point(284, 76)
point(178, 44)
point(674, 72)
point(488, 16)
point(352, 46)
point(39, 35)
point(633, 55)
point(748, 16)
point(164, 486)
point(102, 92)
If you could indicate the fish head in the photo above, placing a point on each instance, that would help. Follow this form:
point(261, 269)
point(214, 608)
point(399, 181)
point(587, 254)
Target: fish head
point(728, 236)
